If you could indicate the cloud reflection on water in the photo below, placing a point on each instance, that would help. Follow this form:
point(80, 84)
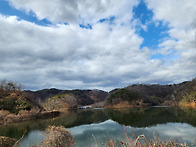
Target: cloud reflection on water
point(34, 137)
point(112, 130)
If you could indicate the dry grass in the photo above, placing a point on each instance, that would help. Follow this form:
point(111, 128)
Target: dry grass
point(4, 113)
point(57, 137)
point(6, 141)
point(54, 137)
point(142, 141)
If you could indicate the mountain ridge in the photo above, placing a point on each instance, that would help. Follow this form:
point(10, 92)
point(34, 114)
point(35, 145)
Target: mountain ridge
point(131, 96)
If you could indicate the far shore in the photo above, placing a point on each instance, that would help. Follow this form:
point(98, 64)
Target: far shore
point(6, 117)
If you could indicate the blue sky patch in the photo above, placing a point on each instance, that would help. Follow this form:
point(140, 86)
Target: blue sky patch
point(156, 56)
point(142, 12)
point(154, 35)
point(155, 32)
point(110, 20)
point(87, 26)
point(7, 10)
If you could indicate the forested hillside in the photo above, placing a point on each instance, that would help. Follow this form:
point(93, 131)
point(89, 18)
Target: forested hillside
point(14, 99)
point(143, 95)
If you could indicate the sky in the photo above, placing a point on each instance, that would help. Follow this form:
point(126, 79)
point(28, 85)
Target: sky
point(100, 44)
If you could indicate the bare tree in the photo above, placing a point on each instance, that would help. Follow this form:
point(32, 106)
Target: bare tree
point(10, 86)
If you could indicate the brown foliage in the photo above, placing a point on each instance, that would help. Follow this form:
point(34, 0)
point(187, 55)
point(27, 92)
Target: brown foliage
point(57, 137)
point(6, 141)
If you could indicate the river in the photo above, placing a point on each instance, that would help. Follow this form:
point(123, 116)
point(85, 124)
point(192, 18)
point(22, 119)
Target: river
point(94, 127)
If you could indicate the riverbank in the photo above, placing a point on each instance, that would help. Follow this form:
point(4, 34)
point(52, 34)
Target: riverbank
point(6, 117)
point(190, 104)
point(126, 104)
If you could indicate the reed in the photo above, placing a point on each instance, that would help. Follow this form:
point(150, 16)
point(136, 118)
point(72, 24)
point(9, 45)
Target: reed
point(61, 137)
point(143, 141)
point(57, 137)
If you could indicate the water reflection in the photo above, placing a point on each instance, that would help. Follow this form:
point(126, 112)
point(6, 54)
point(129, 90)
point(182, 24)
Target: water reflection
point(109, 123)
point(33, 138)
point(144, 117)
point(97, 134)
point(69, 119)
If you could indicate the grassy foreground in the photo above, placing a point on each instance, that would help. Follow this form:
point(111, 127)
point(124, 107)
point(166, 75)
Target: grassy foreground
point(61, 137)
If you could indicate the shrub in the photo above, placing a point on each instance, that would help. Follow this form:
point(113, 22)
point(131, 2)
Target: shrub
point(153, 100)
point(57, 137)
point(7, 103)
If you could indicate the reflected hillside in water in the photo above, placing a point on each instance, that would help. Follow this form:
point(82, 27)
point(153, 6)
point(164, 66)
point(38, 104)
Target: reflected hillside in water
point(67, 119)
point(150, 116)
point(134, 117)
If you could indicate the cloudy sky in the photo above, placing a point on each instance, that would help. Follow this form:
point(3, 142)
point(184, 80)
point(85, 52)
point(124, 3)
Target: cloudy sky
point(98, 44)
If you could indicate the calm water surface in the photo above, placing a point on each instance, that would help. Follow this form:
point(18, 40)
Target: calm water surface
point(93, 127)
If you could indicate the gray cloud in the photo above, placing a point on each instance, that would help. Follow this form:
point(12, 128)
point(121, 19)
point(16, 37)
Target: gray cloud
point(68, 56)
point(74, 11)
point(105, 57)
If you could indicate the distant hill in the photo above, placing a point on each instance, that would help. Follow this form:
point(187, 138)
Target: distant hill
point(66, 99)
point(143, 95)
point(43, 95)
point(12, 98)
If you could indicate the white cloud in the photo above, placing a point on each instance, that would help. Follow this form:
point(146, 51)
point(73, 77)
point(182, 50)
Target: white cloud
point(72, 11)
point(68, 56)
point(106, 56)
point(180, 16)
point(178, 13)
